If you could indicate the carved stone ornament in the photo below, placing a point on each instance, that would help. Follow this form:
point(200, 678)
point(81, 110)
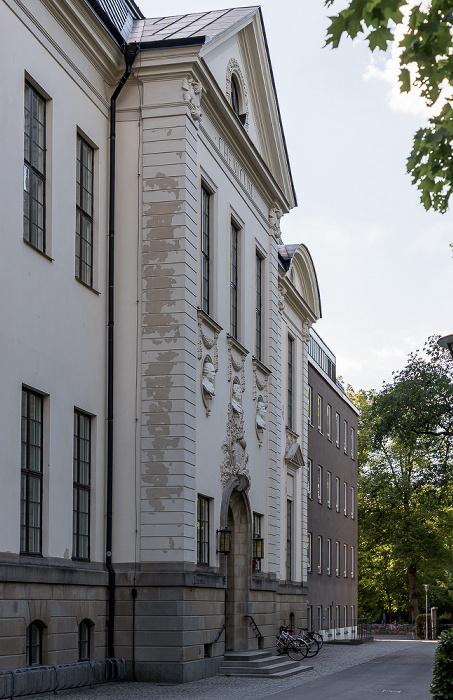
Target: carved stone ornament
point(236, 359)
point(207, 383)
point(281, 298)
point(306, 325)
point(291, 439)
point(233, 67)
point(275, 214)
point(260, 419)
point(260, 380)
point(208, 333)
point(234, 449)
point(192, 91)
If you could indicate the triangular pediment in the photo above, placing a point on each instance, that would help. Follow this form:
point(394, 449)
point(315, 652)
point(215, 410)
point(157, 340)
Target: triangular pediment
point(294, 456)
point(241, 50)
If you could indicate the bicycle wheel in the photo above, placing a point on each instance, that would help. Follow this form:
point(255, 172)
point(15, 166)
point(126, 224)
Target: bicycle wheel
point(297, 650)
point(318, 637)
point(313, 646)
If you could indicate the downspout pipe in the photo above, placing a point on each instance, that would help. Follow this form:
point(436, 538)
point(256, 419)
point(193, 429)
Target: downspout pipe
point(130, 53)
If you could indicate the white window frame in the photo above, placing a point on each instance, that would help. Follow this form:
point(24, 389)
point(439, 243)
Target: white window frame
point(310, 404)
point(319, 490)
point(337, 430)
point(329, 422)
point(309, 552)
point(337, 494)
point(352, 561)
point(320, 414)
point(310, 478)
point(345, 556)
point(319, 554)
point(352, 443)
point(329, 557)
point(345, 497)
point(345, 436)
point(337, 558)
point(329, 489)
point(352, 502)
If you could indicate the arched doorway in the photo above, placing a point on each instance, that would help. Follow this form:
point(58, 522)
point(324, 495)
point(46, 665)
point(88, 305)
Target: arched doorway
point(237, 568)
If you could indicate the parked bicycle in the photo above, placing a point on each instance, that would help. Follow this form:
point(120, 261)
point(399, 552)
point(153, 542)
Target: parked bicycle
point(311, 639)
point(296, 649)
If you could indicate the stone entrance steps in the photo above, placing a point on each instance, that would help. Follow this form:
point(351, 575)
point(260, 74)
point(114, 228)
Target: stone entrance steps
point(260, 663)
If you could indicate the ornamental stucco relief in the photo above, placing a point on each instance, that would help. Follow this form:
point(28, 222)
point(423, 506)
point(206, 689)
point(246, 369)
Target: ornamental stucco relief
point(234, 67)
point(192, 91)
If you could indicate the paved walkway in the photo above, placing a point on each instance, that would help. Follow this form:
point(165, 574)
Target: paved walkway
point(331, 659)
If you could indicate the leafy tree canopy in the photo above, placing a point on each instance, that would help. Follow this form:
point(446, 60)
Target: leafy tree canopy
point(426, 62)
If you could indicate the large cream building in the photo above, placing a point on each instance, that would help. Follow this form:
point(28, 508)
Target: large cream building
point(154, 345)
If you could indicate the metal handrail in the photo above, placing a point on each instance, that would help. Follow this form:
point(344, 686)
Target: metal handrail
point(258, 634)
point(221, 630)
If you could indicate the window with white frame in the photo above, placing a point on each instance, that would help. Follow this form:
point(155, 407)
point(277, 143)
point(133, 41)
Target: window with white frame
point(81, 486)
point(329, 617)
point(352, 502)
point(345, 437)
point(258, 305)
point(319, 484)
point(329, 489)
point(309, 552)
point(329, 557)
point(337, 617)
point(329, 422)
point(310, 404)
point(353, 620)
point(345, 498)
point(289, 399)
point(345, 557)
point(319, 554)
point(352, 443)
point(234, 279)
point(289, 539)
point(352, 562)
point(84, 212)
point(345, 614)
point(337, 558)
point(320, 413)
point(337, 429)
point(337, 494)
point(309, 478)
point(34, 168)
point(31, 473)
point(205, 249)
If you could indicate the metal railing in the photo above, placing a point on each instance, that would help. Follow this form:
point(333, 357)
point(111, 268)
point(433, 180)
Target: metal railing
point(256, 629)
point(362, 628)
point(31, 680)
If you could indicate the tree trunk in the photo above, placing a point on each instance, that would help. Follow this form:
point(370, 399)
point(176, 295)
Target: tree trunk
point(413, 595)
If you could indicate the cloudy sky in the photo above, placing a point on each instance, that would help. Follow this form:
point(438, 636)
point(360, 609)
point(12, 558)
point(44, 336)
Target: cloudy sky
point(384, 265)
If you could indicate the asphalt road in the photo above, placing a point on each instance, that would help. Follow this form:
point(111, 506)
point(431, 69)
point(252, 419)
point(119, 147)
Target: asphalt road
point(407, 673)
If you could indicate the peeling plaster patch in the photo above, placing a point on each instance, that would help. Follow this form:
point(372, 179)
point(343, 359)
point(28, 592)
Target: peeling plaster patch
point(171, 543)
point(162, 182)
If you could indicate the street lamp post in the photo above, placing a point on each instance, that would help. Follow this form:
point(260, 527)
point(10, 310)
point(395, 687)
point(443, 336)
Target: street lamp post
point(426, 587)
point(447, 343)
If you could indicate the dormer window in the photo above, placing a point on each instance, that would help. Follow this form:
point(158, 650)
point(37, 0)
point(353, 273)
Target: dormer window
point(236, 100)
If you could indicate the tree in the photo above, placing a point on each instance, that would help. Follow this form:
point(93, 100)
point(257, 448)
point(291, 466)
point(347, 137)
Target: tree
point(405, 469)
point(426, 62)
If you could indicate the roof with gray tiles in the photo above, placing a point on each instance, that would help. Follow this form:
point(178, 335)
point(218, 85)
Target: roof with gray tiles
point(187, 27)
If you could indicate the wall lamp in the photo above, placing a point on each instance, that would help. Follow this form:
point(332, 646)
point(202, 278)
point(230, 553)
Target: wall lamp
point(258, 548)
point(224, 540)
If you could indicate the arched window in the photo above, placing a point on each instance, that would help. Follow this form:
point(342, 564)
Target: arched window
point(34, 643)
point(84, 640)
point(235, 96)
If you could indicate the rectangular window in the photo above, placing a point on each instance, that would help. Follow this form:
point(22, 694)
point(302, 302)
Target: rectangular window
point(329, 557)
point(258, 301)
point(353, 620)
point(290, 383)
point(310, 405)
point(34, 168)
point(320, 416)
point(257, 519)
point(337, 616)
point(329, 422)
point(31, 473)
point(84, 212)
point(345, 498)
point(337, 494)
point(309, 617)
point(345, 437)
point(319, 484)
point(337, 558)
point(352, 502)
point(309, 478)
point(81, 486)
point(337, 429)
point(234, 242)
point(352, 443)
point(329, 489)
point(352, 562)
point(319, 617)
point(289, 545)
point(205, 249)
point(329, 617)
point(345, 556)
point(345, 612)
point(319, 554)
point(202, 530)
point(309, 553)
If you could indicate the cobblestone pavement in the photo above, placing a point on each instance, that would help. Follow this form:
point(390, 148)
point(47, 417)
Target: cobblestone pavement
point(331, 658)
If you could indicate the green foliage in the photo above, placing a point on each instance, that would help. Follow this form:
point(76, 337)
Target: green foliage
point(442, 685)
point(426, 47)
point(420, 626)
point(405, 498)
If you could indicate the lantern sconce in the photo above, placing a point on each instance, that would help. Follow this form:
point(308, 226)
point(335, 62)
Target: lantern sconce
point(224, 540)
point(258, 548)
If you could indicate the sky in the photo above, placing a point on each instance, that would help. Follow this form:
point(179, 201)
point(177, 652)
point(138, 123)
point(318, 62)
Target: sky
point(384, 264)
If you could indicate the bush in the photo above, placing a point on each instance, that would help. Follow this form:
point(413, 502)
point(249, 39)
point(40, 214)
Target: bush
point(420, 626)
point(442, 685)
